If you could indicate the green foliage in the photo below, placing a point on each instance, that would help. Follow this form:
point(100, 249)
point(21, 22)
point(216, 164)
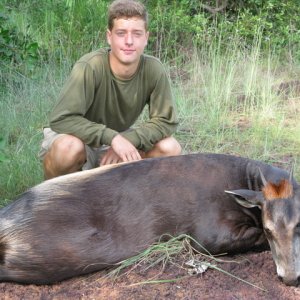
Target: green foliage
point(17, 49)
point(227, 104)
point(279, 20)
point(66, 28)
point(24, 106)
point(71, 28)
point(170, 30)
point(3, 156)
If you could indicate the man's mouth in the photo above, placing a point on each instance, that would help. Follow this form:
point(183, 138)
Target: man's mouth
point(128, 51)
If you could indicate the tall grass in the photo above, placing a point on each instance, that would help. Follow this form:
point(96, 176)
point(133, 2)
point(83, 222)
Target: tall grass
point(229, 102)
point(62, 29)
point(24, 107)
point(232, 103)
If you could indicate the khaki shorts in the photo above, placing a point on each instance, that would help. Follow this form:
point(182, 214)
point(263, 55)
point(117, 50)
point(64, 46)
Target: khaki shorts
point(93, 155)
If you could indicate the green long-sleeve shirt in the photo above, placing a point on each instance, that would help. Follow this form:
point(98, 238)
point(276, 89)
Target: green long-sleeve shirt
point(95, 106)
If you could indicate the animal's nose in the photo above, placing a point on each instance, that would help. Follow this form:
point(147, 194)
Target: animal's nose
point(290, 281)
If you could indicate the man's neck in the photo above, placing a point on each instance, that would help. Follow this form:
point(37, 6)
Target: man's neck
point(120, 70)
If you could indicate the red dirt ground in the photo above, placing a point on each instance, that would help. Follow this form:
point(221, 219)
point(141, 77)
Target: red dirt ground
point(256, 268)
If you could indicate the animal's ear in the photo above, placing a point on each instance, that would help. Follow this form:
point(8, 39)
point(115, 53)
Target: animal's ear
point(247, 198)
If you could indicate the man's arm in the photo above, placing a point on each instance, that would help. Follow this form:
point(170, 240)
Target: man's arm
point(75, 99)
point(162, 121)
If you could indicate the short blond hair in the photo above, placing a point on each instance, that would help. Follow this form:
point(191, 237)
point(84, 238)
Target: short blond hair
point(128, 9)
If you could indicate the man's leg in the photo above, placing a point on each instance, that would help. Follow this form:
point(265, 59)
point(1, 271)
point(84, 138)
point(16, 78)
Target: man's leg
point(66, 155)
point(166, 147)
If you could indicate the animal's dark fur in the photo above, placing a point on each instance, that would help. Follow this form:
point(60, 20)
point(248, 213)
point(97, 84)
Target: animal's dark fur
point(87, 221)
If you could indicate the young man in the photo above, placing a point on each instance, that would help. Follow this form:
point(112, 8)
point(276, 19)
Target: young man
point(104, 95)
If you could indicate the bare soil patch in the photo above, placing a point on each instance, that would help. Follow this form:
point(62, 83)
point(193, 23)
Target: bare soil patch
point(256, 268)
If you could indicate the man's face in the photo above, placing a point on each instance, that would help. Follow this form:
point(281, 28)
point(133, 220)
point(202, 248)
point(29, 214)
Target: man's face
point(127, 39)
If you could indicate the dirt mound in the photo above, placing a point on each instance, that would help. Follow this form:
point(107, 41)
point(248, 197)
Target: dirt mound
point(257, 269)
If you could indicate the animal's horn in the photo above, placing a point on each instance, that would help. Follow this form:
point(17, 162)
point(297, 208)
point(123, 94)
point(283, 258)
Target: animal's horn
point(262, 177)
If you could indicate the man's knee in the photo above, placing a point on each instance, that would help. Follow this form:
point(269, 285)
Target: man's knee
point(169, 146)
point(68, 146)
point(166, 147)
point(66, 155)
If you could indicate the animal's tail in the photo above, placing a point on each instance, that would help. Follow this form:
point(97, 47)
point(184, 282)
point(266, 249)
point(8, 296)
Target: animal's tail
point(3, 248)
point(3, 269)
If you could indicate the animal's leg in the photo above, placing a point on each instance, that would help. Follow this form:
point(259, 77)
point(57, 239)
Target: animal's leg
point(230, 238)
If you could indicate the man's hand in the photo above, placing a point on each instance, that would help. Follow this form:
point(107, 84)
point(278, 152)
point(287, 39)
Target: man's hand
point(121, 151)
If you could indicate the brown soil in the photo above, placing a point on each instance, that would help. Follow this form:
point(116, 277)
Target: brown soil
point(256, 268)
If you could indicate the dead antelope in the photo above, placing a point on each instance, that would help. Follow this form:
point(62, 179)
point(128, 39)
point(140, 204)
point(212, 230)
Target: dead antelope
point(86, 221)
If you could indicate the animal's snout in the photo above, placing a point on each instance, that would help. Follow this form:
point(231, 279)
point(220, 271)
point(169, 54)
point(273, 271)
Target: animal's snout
point(291, 281)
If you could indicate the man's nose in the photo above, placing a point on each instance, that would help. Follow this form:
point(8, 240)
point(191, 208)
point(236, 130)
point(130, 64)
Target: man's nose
point(129, 39)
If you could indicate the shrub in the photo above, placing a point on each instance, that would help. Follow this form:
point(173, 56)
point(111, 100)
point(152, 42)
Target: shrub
point(16, 48)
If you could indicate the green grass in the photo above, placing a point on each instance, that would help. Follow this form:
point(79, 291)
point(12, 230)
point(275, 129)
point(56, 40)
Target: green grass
point(231, 104)
point(24, 107)
point(227, 102)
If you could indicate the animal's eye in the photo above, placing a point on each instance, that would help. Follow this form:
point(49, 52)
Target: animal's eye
point(268, 232)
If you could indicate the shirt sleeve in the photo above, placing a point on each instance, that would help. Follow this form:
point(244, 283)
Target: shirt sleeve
point(162, 121)
point(74, 101)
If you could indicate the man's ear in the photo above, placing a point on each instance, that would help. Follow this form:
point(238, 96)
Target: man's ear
point(147, 36)
point(247, 198)
point(108, 36)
